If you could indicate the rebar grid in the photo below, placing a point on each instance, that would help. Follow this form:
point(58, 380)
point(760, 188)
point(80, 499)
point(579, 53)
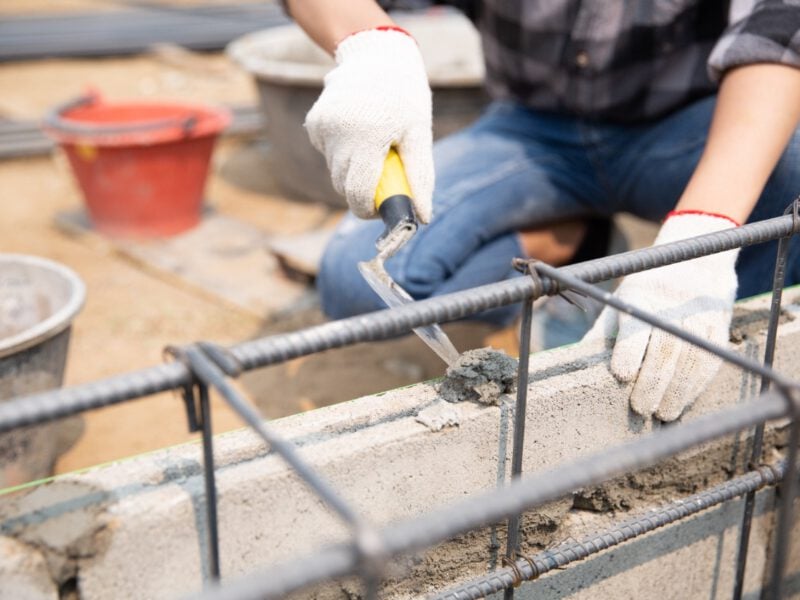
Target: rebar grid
point(204, 365)
point(380, 325)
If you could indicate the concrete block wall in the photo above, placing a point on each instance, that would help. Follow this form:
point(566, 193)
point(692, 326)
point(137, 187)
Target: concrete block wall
point(136, 529)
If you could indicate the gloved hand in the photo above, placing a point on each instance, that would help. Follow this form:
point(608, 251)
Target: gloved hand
point(696, 295)
point(376, 97)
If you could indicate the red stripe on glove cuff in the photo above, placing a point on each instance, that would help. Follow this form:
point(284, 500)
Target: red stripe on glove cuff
point(677, 213)
point(380, 28)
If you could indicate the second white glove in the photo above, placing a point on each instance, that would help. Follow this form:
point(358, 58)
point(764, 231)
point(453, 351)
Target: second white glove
point(375, 98)
point(696, 295)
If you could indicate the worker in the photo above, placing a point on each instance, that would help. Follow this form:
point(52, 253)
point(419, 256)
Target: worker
point(681, 112)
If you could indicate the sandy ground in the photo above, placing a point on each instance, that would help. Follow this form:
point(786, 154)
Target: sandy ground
point(131, 313)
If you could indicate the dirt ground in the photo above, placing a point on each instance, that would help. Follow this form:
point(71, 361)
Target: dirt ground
point(132, 313)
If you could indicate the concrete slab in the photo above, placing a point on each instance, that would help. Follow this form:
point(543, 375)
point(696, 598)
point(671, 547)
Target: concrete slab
point(223, 257)
point(302, 252)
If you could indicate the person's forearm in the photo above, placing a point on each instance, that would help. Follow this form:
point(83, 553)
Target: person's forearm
point(327, 22)
point(758, 109)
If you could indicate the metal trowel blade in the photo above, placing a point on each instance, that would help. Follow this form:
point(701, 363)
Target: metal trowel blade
point(393, 295)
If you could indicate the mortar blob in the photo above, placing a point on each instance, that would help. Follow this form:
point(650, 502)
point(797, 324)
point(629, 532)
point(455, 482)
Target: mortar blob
point(479, 375)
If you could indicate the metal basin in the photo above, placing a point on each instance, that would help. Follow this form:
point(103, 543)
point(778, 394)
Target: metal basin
point(38, 301)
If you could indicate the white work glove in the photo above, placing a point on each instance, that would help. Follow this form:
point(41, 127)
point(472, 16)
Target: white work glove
point(696, 295)
point(376, 97)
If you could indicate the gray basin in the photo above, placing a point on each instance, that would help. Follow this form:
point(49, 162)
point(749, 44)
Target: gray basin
point(38, 301)
point(289, 69)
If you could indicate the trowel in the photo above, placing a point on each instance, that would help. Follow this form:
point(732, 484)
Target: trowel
point(393, 203)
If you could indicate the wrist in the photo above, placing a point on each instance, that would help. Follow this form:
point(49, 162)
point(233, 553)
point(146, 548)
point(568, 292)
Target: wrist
point(376, 28)
point(381, 39)
point(713, 191)
point(328, 23)
point(703, 213)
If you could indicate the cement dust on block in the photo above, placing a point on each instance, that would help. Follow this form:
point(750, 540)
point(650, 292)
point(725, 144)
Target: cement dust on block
point(438, 415)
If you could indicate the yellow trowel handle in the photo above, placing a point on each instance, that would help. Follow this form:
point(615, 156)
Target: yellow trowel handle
point(393, 202)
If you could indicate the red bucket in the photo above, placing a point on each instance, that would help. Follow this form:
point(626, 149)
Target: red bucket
point(142, 167)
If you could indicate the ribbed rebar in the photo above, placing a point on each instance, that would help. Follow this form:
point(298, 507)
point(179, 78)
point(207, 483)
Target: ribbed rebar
point(520, 417)
point(47, 406)
point(534, 566)
point(380, 325)
point(484, 509)
point(778, 281)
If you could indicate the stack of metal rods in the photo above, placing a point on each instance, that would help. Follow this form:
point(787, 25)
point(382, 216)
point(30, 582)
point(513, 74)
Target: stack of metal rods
point(19, 139)
point(23, 138)
point(132, 30)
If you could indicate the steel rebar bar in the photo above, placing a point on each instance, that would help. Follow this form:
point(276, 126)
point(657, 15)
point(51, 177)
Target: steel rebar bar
point(787, 494)
point(520, 414)
point(209, 479)
point(779, 278)
point(26, 138)
point(203, 361)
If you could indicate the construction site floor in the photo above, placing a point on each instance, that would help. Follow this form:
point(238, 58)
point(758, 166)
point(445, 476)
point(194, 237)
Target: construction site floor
point(133, 311)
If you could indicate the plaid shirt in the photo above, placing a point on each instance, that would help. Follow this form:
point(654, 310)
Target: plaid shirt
point(625, 61)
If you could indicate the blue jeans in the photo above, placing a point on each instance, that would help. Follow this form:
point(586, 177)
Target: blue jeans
point(514, 169)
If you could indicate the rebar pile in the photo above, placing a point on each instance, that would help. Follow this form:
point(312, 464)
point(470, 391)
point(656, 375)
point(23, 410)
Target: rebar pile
point(25, 138)
point(133, 29)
